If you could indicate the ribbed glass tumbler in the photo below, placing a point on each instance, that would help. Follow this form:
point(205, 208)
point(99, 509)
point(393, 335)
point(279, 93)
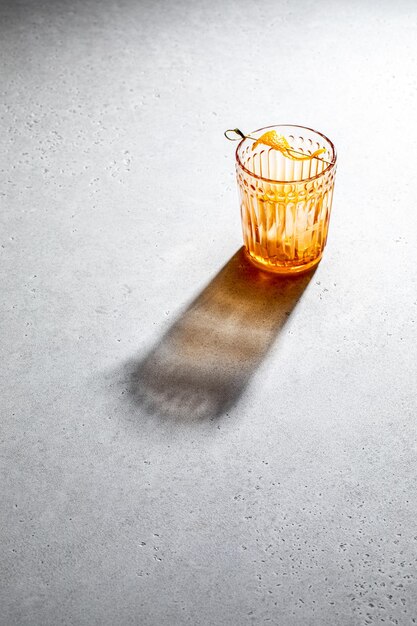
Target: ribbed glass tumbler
point(285, 204)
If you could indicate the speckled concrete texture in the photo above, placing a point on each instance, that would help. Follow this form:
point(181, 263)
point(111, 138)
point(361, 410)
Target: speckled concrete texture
point(185, 440)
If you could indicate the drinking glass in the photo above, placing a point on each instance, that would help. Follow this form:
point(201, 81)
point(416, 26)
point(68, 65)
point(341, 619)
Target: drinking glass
point(285, 204)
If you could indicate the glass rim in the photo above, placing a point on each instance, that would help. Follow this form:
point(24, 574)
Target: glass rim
point(286, 182)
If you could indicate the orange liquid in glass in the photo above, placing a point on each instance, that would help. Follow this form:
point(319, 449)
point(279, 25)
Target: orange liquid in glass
point(285, 207)
point(285, 236)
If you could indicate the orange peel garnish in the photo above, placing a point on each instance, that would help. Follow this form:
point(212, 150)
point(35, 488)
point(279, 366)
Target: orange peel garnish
point(272, 139)
point(279, 142)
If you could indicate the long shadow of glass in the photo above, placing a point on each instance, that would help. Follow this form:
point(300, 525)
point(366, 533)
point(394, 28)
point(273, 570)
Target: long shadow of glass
point(202, 364)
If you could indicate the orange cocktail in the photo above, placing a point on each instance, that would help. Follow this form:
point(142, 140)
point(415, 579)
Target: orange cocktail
point(285, 178)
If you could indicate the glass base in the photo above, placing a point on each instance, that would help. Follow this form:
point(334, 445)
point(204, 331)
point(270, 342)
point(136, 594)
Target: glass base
point(283, 270)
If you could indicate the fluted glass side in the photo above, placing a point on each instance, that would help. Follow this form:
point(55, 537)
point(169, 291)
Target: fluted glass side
point(285, 204)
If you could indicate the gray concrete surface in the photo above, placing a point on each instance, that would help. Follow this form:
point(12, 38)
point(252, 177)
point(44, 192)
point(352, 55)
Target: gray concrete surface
point(179, 445)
